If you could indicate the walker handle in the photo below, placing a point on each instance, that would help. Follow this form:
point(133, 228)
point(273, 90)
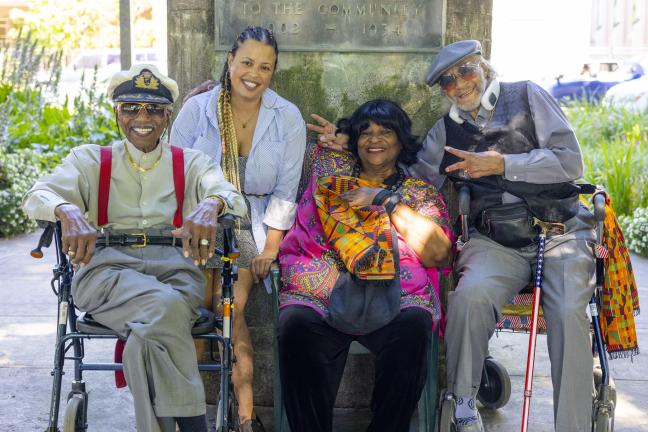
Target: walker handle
point(599, 206)
point(44, 241)
point(464, 200)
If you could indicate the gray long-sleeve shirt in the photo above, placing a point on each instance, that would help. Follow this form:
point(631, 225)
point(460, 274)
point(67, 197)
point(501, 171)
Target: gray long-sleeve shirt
point(558, 158)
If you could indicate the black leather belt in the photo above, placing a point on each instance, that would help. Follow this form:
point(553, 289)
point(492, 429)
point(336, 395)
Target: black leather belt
point(141, 240)
point(137, 240)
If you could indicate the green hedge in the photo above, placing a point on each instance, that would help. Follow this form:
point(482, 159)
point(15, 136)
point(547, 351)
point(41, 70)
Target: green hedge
point(36, 135)
point(615, 149)
point(18, 172)
point(37, 131)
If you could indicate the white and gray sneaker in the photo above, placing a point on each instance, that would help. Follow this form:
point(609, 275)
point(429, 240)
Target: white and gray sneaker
point(473, 424)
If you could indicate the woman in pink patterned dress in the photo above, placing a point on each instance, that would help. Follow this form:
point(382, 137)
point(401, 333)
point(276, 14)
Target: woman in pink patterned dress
point(362, 262)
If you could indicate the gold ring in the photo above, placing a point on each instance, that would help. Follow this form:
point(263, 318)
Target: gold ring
point(204, 242)
point(71, 252)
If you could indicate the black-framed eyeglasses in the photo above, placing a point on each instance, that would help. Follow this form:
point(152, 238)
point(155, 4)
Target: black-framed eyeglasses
point(467, 72)
point(132, 109)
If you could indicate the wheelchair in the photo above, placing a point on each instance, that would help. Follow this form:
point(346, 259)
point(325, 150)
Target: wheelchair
point(495, 387)
point(74, 329)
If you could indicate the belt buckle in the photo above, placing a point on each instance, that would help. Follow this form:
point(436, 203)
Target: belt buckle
point(556, 228)
point(144, 240)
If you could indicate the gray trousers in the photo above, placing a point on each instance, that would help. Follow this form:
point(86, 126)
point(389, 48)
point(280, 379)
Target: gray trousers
point(490, 275)
point(150, 295)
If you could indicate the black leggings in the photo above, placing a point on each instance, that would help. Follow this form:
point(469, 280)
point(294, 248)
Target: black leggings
point(312, 356)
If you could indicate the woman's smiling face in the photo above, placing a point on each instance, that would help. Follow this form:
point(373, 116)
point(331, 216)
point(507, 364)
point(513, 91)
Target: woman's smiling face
point(378, 147)
point(251, 69)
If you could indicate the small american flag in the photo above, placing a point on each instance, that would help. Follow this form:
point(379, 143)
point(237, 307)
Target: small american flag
point(601, 251)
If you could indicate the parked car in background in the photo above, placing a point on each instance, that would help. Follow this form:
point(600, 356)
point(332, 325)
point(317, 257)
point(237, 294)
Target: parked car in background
point(594, 80)
point(631, 95)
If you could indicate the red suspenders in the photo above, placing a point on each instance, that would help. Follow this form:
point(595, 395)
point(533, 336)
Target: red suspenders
point(105, 168)
point(177, 156)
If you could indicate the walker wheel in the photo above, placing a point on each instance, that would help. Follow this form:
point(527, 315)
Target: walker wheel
point(598, 377)
point(495, 388)
point(232, 413)
point(447, 416)
point(73, 417)
point(604, 422)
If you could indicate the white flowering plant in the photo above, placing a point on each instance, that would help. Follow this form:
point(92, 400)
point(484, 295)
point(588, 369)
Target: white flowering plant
point(635, 230)
point(18, 172)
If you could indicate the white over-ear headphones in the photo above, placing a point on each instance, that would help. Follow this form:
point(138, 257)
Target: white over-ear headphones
point(489, 98)
point(488, 101)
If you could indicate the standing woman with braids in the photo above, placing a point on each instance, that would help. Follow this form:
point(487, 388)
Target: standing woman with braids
point(259, 139)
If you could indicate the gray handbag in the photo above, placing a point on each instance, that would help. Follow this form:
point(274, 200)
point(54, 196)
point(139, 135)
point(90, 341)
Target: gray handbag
point(359, 307)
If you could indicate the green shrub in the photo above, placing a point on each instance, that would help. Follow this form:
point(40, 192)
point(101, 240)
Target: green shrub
point(35, 132)
point(32, 122)
point(635, 229)
point(18, 172)
point(615, 150)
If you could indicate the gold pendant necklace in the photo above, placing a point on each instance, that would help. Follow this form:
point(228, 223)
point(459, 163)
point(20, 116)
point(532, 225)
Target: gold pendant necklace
point(245, 123)
point(139, 167)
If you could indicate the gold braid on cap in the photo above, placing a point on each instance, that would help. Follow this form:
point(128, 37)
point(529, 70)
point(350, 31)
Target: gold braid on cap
point(229, 157)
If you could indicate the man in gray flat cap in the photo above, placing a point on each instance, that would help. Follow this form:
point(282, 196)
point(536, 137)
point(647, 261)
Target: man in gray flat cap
point(135, 278)
point(513, 147)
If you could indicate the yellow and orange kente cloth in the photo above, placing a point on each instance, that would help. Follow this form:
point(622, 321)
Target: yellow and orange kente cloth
point(361, 236)
point(620, 302)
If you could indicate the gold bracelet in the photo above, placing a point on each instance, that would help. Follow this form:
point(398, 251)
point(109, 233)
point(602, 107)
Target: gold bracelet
point(221, 200)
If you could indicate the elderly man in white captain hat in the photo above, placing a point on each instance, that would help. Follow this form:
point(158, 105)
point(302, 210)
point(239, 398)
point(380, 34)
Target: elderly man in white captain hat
point(512, 145)
point(150, 293)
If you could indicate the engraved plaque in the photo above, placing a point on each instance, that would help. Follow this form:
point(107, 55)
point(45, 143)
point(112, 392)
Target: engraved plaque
point(336, 25)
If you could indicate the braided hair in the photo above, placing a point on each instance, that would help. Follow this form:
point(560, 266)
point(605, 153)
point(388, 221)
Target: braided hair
point(224, 110)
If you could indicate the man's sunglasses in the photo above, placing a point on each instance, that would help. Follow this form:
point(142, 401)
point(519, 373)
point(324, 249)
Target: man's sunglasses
point(132, 109)
point(467, 72)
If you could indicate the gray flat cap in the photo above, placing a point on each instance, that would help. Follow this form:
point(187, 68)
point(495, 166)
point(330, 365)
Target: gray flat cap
point(451, 54)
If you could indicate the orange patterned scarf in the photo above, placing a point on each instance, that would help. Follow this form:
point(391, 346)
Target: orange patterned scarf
point(361, 236)
point(620, 302)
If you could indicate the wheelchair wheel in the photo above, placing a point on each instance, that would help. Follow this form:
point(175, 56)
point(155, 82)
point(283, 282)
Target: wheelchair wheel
point(232, 414)
point(495, 388)
point(598, 377)
point(447, 416)
point(604, 422)
point(73, 417)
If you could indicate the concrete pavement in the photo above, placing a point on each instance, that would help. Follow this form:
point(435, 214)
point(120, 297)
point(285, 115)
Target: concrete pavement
point(27, 332)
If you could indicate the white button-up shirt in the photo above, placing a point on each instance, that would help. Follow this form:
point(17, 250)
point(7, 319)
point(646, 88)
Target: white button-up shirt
point(275, 161)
